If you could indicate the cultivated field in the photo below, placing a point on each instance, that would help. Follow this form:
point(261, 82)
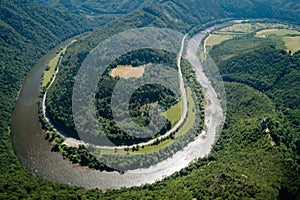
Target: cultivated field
point(127, 71)
point(291, 38)
point(215, 39)
point(228, 33)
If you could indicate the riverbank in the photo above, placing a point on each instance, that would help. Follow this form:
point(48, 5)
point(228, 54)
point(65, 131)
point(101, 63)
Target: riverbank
point(165, 146)
point(51, 166)
point(71, 142)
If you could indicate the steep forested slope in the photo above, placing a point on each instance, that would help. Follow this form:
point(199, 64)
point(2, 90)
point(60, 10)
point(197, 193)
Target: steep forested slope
point(268, 69)
point(194, 12)
point(94, 7)
point(27, 31)
point(284, 10)
point(176, 12)
point(100, 12)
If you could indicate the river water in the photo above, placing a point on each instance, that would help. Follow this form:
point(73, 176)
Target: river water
point(35, 152)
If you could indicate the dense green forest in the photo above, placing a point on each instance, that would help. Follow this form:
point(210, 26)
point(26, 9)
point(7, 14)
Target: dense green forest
point(98, 12)
point(176, 140)
point(93, 7)
point(183, 14)
point(27, 32)
point(245, 163)
point(148, 94)
point(269, 69)
point(143, 97)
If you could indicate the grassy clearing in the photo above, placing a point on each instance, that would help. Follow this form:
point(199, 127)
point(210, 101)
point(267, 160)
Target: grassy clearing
point(230, 32)
point(191, 117)
point(154, 148)
point(292, 43)
point(215, 39)
point(291, 38)
point(50, 71)
point(253, 26)
point(127, 71)
point(243, 28)
point(174, 113)
point(52, 64)
point(263, 33)
point(117, 152)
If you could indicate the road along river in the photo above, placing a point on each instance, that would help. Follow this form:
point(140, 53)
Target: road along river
point(35, 152)
point(71, 142)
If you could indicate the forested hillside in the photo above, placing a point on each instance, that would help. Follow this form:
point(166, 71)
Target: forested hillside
point(270, 70)
point(177, 12)
point(244, 163)
point(100, 12)
point(27, 31)
point(266, 67)
point(94, 7)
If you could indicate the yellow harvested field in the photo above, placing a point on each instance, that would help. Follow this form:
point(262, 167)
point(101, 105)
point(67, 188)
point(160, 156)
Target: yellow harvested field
point(127, 71)
point(262, 33)
point(292, 43)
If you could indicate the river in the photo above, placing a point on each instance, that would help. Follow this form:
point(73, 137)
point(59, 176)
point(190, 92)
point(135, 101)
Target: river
point(35, 152)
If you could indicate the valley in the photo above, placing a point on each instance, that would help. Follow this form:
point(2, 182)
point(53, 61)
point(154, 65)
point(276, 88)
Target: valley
point(184, 157)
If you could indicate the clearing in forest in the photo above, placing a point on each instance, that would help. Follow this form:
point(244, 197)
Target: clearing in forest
point(291, 38)
point(127, 71)
point(174, 113)
point(292, 43)
point(52, 64)
point(230, 32)
point(227, 33)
